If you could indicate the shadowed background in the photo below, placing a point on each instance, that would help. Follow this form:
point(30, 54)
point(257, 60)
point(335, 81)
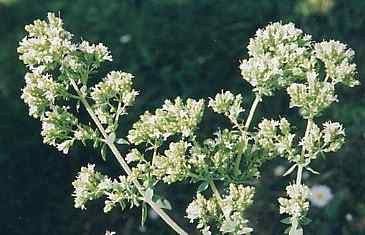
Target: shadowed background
point(187, 48)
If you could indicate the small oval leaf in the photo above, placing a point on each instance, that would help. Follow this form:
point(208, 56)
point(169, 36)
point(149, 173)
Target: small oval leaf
point(103, 152)
point(144, 214)
point(122, 141)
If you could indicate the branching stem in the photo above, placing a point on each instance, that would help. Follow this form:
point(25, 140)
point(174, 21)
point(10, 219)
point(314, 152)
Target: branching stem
point(125, 166)
point(238, 161)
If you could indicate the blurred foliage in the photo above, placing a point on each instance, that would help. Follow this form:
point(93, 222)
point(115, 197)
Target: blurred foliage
point(189, 48)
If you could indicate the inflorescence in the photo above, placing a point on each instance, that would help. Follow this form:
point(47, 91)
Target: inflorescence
point(164, 145)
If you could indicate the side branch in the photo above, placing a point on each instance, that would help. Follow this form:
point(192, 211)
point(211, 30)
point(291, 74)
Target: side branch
point(125, 166)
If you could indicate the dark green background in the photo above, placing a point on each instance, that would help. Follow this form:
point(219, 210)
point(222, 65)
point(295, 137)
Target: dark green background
point(188, 48)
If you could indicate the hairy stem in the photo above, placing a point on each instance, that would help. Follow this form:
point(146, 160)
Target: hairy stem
point(125, 166)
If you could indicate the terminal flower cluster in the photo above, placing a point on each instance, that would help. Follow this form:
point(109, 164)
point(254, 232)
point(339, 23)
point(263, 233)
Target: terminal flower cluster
point(279, 54)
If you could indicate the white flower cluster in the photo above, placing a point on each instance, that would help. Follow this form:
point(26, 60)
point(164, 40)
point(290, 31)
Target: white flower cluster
point(86, 186)
point(227, 104)
point(53, 61)
point(205, 211)
point(296, 205)
point(40, 92)
point(116, 87)
point(279, 55)
point(333, 136)
point(234, 206)
point(329, 139)
point(46, 44)
point(90, 185)
point(173, 118)
point(99, 51)
point(275, 138)
point(338, 62)
point(119, 192)
point(58, 127)
point(228, 219)
point(313, 97)
point(173, 166)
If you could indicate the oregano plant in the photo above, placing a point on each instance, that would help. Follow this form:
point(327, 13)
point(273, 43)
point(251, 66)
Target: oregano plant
point(164, 146)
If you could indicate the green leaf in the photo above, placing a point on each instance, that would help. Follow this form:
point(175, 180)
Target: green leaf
point(305, 221)
point(163, 203)
point(287, 230)
point(290, 170)
point(103, 151)
point(111, 138)
point(286, 221)
point(148, 194)
point(122, 141)
point(144, 214)
point(203, 186)
point(166, 204)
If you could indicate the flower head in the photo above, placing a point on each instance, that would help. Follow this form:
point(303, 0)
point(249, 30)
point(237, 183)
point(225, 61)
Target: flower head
point(174, 117)
point(227, 104)
point(320, 195)
point(46, 44)
point(58, 128)
point(40, 93)
point(116, 87)
point(279, 55)
point(338, 62)
point(296, 205)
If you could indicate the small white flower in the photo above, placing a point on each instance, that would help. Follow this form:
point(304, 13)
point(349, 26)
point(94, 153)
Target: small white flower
point(125, 38)
point(320, 195)
point(349, 217)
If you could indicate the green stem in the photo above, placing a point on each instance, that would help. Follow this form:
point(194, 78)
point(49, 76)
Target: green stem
point(125, 166)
